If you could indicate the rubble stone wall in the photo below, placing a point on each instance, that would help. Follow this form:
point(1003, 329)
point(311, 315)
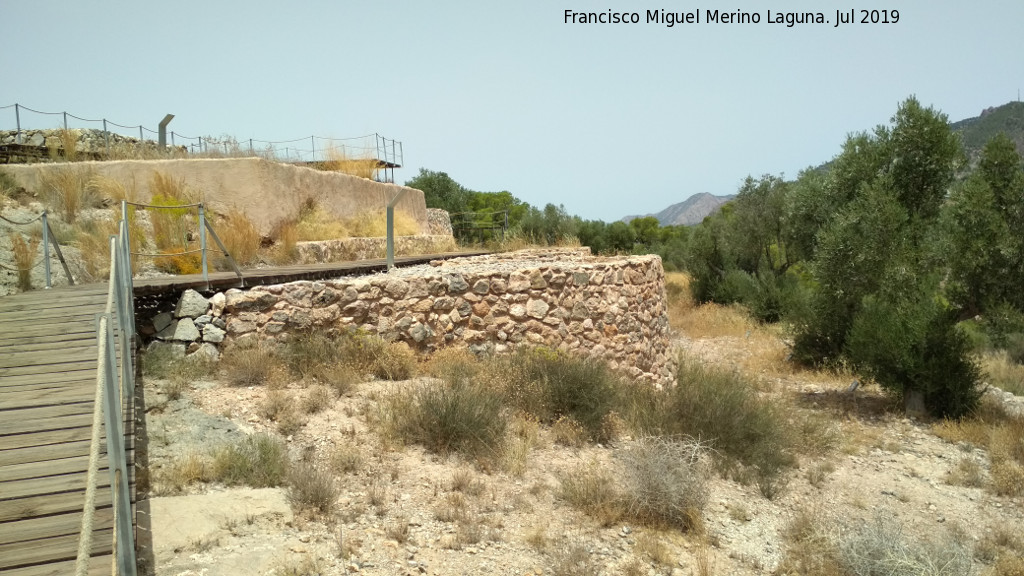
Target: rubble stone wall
point(609, 308)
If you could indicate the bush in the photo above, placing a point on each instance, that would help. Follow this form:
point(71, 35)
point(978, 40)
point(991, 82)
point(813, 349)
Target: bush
point(552, 385)
point(748, 434)
point(665, 482)
point(913, 345)
point(24, 258)
point(260, 461)
point(239, 236)
point(249, 365)
point(312, 489)
point(68, 189)
point(455, 416)
point(881, 548)
point(592, 490)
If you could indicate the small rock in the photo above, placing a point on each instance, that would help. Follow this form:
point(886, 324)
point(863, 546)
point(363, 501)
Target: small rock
point(162, 320)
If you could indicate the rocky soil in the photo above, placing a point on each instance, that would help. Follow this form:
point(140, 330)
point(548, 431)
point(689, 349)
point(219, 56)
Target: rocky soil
point(397, 511)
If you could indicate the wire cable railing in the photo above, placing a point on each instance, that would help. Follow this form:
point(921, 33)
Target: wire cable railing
point(205, 228)
point(115, 394)
point(386, 152)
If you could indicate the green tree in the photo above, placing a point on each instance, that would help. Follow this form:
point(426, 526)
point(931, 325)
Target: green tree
point(441, 191)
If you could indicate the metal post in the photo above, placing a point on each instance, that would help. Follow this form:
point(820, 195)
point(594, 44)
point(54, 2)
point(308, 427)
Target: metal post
point(17, 122)
point(202, 243)
point(106, 136)
point(312, 142)
point(172, 139)
point(46, 249)
point(391, 227)
point(65, 121)
point(162, 131)
point(250, 147)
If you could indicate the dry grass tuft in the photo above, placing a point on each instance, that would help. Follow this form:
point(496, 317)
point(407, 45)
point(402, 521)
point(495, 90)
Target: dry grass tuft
point(317, 399)
point(259, 460)
point(966, 472)
point(665, 481)
point(24, 258)
point(69, 143)
point(593, 490)
point(240, 237)
point(346, 459)
point(68, 189)
point(250, 366)
point(312, 489)
point(1002, 434)
point(314, 223)
point(286, 238)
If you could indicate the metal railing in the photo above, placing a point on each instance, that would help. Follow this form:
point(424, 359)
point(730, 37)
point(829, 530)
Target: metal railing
point(386, 151)
point(204, 228)
point(48, 239)
point(478, 225)
point(115, 394)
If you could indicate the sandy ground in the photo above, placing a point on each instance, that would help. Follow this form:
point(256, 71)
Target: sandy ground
point(391, 515)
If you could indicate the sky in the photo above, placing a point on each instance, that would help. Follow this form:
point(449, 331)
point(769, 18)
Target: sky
point(605, 119)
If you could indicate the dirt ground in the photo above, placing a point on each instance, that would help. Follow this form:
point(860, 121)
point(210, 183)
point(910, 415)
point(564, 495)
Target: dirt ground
point(395, 512)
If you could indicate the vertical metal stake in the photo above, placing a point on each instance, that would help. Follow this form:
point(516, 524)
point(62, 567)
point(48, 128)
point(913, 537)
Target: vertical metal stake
point(17, 122)
point(106, 136)
point(65, 121)
point(46, 249)
point(391, 228)
point(312, 141)
point(250, 146)
point(202, 243)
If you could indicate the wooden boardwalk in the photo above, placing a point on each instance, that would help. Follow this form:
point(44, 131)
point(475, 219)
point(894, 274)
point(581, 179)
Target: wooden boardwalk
point(47, 389)
point(48, 359)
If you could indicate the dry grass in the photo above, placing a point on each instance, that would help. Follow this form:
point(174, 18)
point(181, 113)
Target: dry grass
point(250, 366)
point(240, 237)
point(966, 472)
point(317, 399)
point(260, 461)
point(361, 165)
point(313, 490)
point(67, 189)
point(592, 489)
point(69, 143)
point(286, 238)
point(346, 459)
point(999, 432)
point(1003, 372)
point(24, 258)
point(315, 223)
point(181, 473)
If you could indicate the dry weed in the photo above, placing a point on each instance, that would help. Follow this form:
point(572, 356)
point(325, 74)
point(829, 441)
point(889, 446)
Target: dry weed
point(240, 237)
point(24, 258)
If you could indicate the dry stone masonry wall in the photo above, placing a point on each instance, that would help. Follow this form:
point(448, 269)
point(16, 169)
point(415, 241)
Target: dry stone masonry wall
point(608, 308)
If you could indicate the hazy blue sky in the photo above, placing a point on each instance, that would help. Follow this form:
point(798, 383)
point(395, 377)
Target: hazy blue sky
point(606, 119)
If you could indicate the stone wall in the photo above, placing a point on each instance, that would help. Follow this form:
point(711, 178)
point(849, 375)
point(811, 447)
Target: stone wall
point(439, 222)
point(608, 308)
point(368, 248)
point(268, 192)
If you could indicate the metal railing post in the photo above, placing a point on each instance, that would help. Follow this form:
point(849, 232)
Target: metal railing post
point(391, 228)
point(202, 244)
point(46, 250)
point(106, 137)
point(65, 121)
point(17, 122)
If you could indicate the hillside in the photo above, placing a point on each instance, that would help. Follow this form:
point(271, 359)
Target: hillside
point(688, 212)
point(976, 132)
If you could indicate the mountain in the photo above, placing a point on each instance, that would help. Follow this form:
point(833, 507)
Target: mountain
point(976, 132)
point(688, 212)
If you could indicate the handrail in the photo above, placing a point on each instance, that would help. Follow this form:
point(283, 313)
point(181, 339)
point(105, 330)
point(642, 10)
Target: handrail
point(110, 401)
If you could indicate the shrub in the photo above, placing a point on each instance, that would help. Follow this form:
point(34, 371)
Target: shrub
point(7, 184)
point(456, 416)
point(24, 258)
point(338, 160)
point(552, 385)
point(346, 459)
point(913, 345)
point(249, 365)
point(317, 399)
point(880, 547)
point(665, 481)
point(748, 434)
point(260, 461)
point(286, 238)
point(312, 489)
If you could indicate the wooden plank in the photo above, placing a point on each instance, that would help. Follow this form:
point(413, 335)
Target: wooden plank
point(58, 525)
point(48, 397)
point(49, 357)
point(35, 487)
point(39, 439)
point(48, 316)
point(51, 549)
point(68, 299)
point(83, 375)
point(18, 340)
point(43, 369)
point(99, 565)
point(67, 345)
point(22, 415)
point(44, 424)
point(35, 454)
point(5, 388)
point(62, 503)
point(49, 467)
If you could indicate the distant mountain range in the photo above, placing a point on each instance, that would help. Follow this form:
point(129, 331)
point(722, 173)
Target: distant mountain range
point(974, 133)
point(689, 212)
